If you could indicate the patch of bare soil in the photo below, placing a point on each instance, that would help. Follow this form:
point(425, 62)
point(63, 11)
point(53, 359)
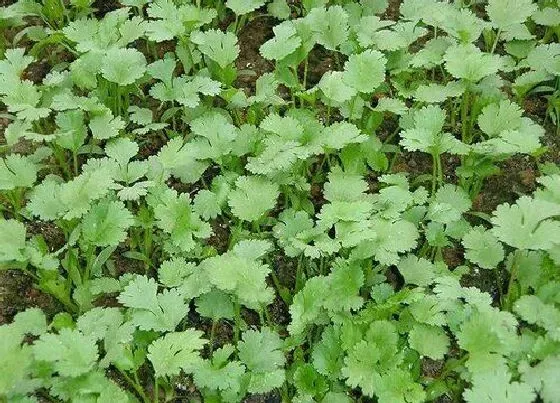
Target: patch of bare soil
point(17, 294)
point(250, 64)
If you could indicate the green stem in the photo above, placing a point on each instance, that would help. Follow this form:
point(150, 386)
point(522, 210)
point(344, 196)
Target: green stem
point(75, 162)
point(134, 384)
point(299, 274)
point(305, 66)
point(212, 335)
point(511, 283)
point(156, 390)
point(496, 41)
point(237, 308)
point(439, 169)
point(464, 116)
point(434, 173)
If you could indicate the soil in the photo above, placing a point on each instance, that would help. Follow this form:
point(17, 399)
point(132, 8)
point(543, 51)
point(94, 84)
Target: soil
point(250, 64)
point(17, 293)
point(518, 176)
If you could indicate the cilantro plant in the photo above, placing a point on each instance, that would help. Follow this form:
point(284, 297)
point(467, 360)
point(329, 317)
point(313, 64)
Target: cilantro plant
point(316, 201)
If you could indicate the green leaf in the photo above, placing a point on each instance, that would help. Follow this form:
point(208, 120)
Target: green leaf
point(219, 46)
point(238, 272)
point(543, 377)
point(340, 134)
point(78, 195)
point(527, 224)
point(71, 352)
point(365, 71)
point(106, 126)
point(160, 312)
point(241, 7)
point(123, 66)
point(106, 224)
point(548, 16)
point(261, 352)
point(215, 136)
point(279, 9)
point(190, 280)
point(219, 374)
point(505, 13)
point(175, 216)
point(435, 93)
point(495, 118)
point(429, 341)
point(17, 171)
point(284, 43)
point(427, 136)
point(497, 387)
point(334, 88)
point(31, 321)
point(215, 305)
point(14, 63)
point(330, 25)
point(449, 204)
point(175, 352)
point(532, 310)
point(482, 248)
point(417, 271)
point(469, 63)
point(252, 197)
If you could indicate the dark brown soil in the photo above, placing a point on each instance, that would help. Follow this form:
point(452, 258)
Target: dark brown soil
point(17, 293)
point(105, 6)
point(53, 236)
point(250, 64)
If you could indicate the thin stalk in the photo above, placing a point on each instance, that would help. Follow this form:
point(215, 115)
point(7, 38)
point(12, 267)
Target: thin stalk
point(75, 162)
point(305, 67)
point(511, 283)
point(439, 169)
point(464, 116)
point(496, 40)
point(134, 384)
point(237, 308)
point(212, 335)
point(299, 274)
point(434, 173)
point(156, 390)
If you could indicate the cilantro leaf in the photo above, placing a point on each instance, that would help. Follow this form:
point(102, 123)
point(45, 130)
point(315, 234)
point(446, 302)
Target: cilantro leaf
point(175, 352)
point(469, 63)
point(430, 341)
point(219, 46)
point(17, 171)
point(123, 66)
point(160, 312)
point(261, 352)
point(241, 7)
point(482, 248)
point(527, 224)
point(365, 71)
point(252, 197)
point(106, 224)
point(71, 352)
point(174, 215)
point(284, 43)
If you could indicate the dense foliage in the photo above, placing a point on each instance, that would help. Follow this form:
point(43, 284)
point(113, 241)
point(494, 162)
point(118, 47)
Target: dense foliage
point(217, 240)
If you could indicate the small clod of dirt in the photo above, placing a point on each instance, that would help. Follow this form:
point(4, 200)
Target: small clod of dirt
point(431, 368)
